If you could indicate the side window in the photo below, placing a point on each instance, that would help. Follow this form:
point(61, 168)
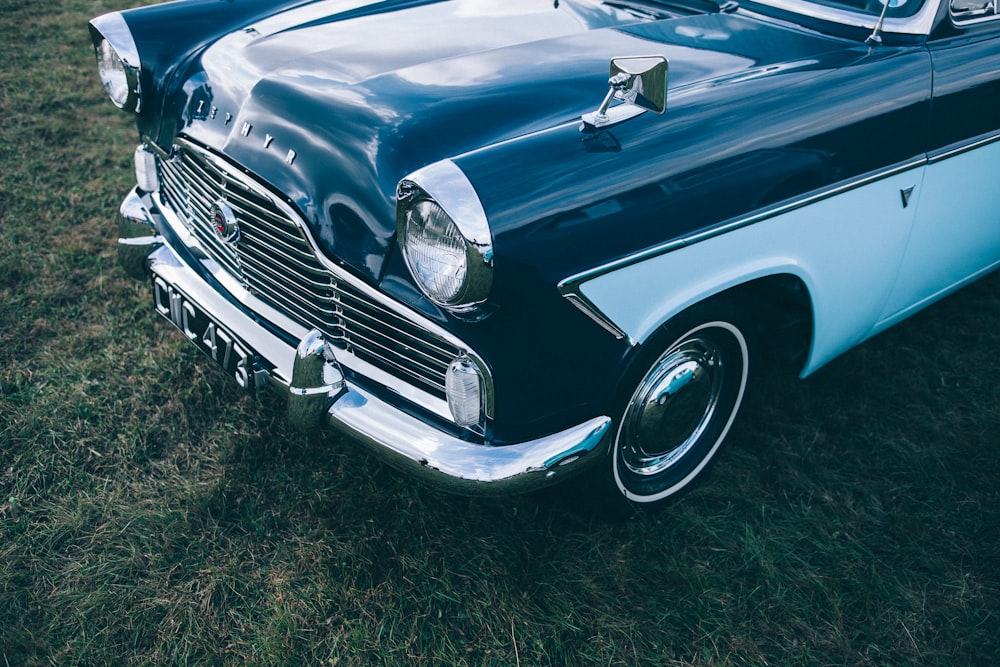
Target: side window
point(963, 11)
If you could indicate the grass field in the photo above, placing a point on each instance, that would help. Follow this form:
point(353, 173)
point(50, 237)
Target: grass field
point(150, 514)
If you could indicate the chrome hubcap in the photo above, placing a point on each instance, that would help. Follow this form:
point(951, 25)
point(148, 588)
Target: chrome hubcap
point(672, 407)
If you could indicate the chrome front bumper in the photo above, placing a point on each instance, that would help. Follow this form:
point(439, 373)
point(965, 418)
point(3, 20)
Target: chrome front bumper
point(319, 394)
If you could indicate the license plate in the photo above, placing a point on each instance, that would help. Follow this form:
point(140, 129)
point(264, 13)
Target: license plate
point(200, 328)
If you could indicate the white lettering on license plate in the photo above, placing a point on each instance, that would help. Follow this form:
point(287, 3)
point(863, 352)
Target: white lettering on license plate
point(203, 331)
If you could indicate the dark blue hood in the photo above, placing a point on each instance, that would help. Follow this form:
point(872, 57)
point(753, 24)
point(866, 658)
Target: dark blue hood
point(334, 103)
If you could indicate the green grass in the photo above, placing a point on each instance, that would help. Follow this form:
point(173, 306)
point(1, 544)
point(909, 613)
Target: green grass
point(151, 514)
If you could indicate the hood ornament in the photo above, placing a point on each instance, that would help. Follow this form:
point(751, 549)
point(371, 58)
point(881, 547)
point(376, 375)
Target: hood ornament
point(639, 84)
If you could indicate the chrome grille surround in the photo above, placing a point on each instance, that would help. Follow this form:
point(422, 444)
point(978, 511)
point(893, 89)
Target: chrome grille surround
point(277, 269)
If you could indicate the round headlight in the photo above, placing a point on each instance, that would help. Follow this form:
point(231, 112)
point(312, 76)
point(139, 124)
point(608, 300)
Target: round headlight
point(117, 59)
point(445, 237)
point(435, 252)
point(113, 75)
point(451, 269)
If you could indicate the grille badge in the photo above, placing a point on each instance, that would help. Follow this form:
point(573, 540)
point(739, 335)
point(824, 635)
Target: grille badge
point(224, 222)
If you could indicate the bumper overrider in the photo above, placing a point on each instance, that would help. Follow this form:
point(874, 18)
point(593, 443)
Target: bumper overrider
point(320, 394)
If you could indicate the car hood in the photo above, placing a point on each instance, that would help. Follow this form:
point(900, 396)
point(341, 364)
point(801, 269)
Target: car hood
point(333, 103)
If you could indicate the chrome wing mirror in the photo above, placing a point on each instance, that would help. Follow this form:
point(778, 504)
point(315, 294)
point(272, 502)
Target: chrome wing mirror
point(638, 84)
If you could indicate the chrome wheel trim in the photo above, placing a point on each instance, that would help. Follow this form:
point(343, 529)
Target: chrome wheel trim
point(672, 408)
point(690, 376)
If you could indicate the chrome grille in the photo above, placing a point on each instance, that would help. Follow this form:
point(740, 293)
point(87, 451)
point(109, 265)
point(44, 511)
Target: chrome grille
point(276, 261)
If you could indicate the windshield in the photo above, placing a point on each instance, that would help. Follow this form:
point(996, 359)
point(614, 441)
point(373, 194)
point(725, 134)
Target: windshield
point(897, 8)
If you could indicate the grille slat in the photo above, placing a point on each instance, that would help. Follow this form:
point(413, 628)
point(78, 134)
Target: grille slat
point(276, 261)
point(267, 238)
point(192, 202)
point(254, 252)
point(262, 282)
point(385, 341)
point(432, 356)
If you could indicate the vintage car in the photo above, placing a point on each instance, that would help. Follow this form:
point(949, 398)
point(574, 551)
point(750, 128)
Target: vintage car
point(504, 243)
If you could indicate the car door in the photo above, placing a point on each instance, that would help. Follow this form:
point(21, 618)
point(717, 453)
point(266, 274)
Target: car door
point(956, 232)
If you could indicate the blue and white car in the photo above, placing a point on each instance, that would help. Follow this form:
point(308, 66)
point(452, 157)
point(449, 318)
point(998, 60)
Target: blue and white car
point(504, 244)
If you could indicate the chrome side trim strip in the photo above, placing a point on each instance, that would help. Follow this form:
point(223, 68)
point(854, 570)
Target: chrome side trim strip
point(963, 147)
point(587, 307)
point(570, 287)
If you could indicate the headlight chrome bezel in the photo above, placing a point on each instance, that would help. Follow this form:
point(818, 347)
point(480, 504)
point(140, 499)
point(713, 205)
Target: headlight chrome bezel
point(440, 195)
point(117, 60)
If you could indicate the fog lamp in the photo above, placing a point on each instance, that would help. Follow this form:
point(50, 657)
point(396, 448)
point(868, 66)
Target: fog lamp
point(464, 388)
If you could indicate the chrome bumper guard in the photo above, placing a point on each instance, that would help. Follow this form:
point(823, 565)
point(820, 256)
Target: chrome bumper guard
point(319, 394)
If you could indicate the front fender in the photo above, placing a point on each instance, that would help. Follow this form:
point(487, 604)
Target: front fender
point(845, 246)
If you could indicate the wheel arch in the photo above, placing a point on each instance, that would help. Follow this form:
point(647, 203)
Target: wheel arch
point(780, 303)
point(781, 307)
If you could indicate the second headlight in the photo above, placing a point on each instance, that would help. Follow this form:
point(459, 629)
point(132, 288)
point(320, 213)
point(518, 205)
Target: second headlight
point(117, 60)
point(444, 237)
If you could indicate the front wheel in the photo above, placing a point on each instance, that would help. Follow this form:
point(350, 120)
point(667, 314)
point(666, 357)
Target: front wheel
point(678, 407)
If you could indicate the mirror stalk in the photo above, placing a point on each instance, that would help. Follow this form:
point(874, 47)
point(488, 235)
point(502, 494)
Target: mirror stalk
point(640, 83)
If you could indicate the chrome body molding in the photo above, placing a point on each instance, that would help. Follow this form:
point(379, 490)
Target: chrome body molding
point(808, 239)
point(964, 147)
point(571, 287)
point(591, 311)
point(571, 284)
point(918, 24)
point(114, 29)
point(319, 394)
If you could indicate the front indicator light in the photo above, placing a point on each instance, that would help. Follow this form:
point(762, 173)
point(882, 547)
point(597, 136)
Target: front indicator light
point(145, 170)
point(464, 389)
